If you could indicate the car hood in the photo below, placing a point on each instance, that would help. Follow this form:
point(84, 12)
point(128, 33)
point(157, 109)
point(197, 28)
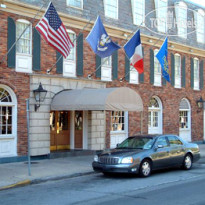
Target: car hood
point(121, 152)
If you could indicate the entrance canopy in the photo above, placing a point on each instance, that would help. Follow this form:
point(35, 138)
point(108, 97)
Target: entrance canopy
point(116, 99)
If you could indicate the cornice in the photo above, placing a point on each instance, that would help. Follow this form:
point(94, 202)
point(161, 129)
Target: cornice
point(79, 23)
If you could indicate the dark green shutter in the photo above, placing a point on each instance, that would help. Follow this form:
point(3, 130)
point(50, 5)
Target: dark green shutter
point(36, 50)
point(11, 58)
point(98, 66)
point(80, 55)
point(183, 72)
point(192, 73)
point(151, 66)
point(173, 69)
point(115, 65)
point(59, 64)
point(201, 75)
point(127, 68)
point(141, 76)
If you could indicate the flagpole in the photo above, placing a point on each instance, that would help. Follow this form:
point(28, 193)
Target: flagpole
point(49, 70)
point(4, 57)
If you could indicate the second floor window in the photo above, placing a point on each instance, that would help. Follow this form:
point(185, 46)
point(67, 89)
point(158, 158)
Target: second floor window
point(177, 59)
point(75, 3)
point(111, 8)
point(196, 74)
point(157, 70)
point(138, 10)
point(106, 69)
point(23, 46)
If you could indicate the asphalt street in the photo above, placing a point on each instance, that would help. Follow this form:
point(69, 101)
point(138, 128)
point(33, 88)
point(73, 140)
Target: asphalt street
point(173, 186)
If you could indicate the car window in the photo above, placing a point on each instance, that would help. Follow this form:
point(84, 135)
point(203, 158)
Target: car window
point(174, 141)
point(162, 141)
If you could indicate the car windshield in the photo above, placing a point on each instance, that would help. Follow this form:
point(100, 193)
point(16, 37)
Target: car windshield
point(136, 143)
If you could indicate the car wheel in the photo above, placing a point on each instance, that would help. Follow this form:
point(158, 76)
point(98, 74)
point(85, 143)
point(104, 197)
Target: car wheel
point(187, 163)
point(145, 168)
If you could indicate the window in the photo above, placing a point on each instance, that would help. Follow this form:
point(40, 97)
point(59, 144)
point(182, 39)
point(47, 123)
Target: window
point(24, 43)
point(117, 121)
point(138, 11)
point(161, 13)
point(184, 114)
point(196, 74)
point(162, 141)
point(177, 60)
point(181, 17)
point(199, 18)
point(111, 8)
point(106, 69)
point(69, 64)
point(23, 46)
point(134, 75)
point(174, 141)
point(157, 70)
point(155, 116)
point(75, 3)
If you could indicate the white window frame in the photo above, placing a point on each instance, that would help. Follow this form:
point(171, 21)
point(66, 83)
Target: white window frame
point(159, 14)
point(122, 115)
point(135, 13)
point(177, 83)
point(157, 70)
point(134, 75)
point(181, 20)
point(106, 69)
point(200, 29)
point(152, 110)
point(23, 60)
point(196, 73)
point(106, 5)
point(69, 66)
point(70, 5)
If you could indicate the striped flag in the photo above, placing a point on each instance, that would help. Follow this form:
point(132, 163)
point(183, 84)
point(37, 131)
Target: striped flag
point(54, 32)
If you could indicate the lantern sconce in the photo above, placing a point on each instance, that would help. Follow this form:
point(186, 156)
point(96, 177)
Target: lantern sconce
point(39, 95)
point(200, 103)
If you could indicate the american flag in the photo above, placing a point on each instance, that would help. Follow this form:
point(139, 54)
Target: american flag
point(54, 32)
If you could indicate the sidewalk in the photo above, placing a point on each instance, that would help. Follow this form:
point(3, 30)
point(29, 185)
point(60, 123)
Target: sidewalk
point(16, 174)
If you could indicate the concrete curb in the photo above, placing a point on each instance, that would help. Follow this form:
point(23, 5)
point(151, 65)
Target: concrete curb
point(45, 179)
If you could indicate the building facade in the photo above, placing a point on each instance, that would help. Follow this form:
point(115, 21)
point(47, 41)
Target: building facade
point(167, 107)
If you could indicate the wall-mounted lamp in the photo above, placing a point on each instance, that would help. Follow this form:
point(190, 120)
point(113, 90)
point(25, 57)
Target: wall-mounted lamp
point(200, 102)
point(150, 41)
point(39, 95)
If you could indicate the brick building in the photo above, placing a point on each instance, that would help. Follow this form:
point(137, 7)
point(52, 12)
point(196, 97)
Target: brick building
point(167, 107)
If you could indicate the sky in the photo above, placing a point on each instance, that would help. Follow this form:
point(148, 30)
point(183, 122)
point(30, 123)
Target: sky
point(199, 2)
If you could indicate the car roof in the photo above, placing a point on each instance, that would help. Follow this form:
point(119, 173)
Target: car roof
point(152, 135)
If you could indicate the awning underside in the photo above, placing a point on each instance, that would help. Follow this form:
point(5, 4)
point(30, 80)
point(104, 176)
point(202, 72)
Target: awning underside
point(115, 99)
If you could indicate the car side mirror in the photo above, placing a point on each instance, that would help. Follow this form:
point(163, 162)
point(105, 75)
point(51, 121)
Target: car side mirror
point(117, 145)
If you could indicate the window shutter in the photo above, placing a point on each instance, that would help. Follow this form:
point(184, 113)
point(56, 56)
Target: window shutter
point(98, 66)
point(201, 74)
point(36, 50)
point(192, 73)
point(115, 65)
point(80, 55)
point(183, 72)
point(141, 76)
point(11, 57)
point(151, 66)
point(127, 68)
point(173, 69)
point(59, 64)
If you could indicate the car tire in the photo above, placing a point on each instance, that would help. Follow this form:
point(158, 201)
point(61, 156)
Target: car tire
point(187, 163)
point(145, 168)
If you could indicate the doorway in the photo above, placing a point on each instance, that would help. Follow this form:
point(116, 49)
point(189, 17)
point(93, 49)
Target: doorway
point(59, 130)
point(78, 119)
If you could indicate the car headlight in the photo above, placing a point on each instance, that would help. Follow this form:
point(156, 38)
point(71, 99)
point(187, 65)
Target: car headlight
point(127, 160)
point(96, 158)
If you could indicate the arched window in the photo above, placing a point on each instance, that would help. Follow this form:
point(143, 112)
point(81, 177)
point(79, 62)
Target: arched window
point(185, 119)
point(177, 63)
point(69, 65)
point(181, 17)
point(155, 116)
point(8, 121)
point(157, 70)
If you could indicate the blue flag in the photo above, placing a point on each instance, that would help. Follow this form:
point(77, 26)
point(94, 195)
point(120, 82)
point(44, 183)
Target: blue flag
point(99, 40)
point(162, 58)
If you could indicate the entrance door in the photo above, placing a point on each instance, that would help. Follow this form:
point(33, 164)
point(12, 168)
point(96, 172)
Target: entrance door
point(60, 130)
point(78, 130)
